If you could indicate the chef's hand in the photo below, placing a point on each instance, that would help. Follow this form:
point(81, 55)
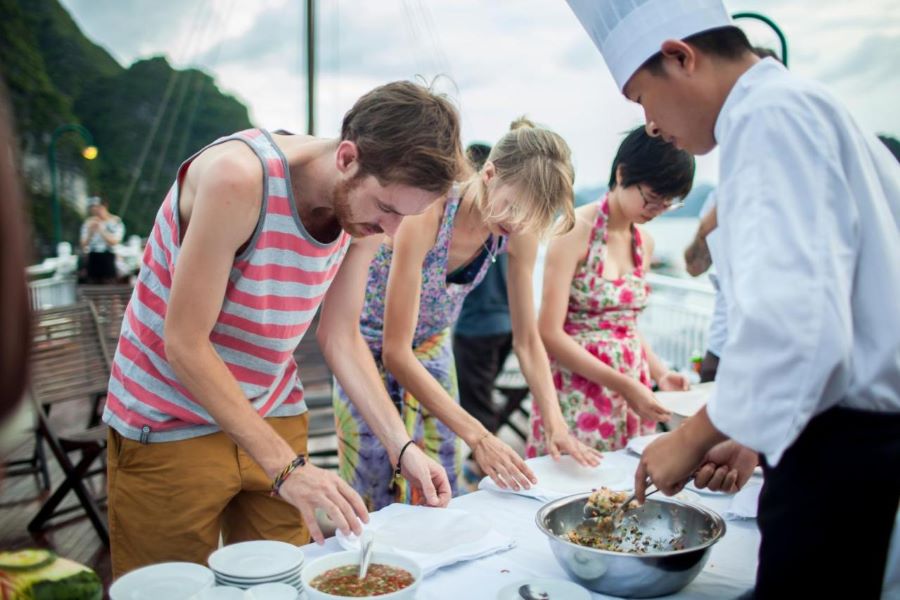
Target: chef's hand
point(672, 381)
point(502, 463)
point(668, 463)
point(673, 458)
point(726, 467)
point(559, 441)
point(642, 401)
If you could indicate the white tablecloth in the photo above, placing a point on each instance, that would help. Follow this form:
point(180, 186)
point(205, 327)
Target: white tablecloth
point(730, 572)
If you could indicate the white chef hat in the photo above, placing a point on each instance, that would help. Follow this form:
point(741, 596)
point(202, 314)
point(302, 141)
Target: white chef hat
point(628, 32)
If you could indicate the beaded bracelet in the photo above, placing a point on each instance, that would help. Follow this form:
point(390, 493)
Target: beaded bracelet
point(299, 461)
point(397, 468)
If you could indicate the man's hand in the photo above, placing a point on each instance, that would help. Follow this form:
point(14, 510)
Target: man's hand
point(726, 467)
point(427, 476)
point(668, 463)
point(310, 487)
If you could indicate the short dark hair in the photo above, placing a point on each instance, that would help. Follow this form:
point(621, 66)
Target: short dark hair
point(664, 168)
point(407, 134)
point(729, 43)
point(477, 153)
point(763, 52)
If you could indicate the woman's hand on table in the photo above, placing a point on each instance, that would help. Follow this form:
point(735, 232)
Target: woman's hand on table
point(673, 381)
point(641, 400)
point(310, 487)
point(502, 464)
point(559, 441)
point(427, 476)
point(726, 467)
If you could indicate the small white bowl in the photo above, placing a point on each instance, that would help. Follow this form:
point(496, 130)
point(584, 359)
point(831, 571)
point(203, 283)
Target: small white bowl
point(351, 557)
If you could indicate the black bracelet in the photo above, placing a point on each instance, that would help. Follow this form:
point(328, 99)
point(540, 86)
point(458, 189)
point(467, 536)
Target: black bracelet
point(399, 463)
point(299, 461)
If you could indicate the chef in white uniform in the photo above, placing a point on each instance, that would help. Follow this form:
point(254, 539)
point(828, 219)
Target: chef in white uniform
point(809, 249)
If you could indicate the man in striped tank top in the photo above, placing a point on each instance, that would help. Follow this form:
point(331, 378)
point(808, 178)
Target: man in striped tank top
point(207, 419)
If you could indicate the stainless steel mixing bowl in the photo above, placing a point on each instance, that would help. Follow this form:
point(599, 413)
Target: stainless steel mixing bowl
point(655, 573)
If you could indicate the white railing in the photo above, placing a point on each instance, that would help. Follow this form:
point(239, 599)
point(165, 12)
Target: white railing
point(56, 291)
point(676, 321)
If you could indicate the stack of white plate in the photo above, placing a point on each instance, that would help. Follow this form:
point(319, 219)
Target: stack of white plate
point(249, 564)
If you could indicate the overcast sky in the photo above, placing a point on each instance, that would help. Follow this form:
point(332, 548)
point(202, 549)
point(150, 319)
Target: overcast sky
point(504, 57)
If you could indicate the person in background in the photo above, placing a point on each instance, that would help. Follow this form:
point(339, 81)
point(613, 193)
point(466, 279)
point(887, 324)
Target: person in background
point(417, 282)
point(594, 290)
point(697, 261)
point(482, 336)
point(101, 232)
point(808, 208)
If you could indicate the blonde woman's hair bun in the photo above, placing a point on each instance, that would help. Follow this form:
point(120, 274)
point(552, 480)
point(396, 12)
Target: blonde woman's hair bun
point(522, 122)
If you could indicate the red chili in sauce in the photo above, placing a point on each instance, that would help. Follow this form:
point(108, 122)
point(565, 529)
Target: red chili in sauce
point(379, 580)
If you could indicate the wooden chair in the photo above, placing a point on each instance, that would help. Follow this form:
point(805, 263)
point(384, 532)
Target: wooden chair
point(70, 364)
point(110, 302)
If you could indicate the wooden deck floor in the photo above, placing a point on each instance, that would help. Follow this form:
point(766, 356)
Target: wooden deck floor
point(72, 536)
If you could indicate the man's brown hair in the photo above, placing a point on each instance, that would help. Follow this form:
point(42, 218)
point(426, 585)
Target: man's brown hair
point(406, 134)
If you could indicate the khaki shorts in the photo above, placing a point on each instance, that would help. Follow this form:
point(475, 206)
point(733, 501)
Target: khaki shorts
point(170, 501)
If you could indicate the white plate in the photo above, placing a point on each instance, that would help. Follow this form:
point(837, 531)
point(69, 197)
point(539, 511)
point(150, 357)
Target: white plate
point(294, 581)
point(290, 575)
point(686, 404)
point(555, 588)
point(259, 559)
point(172, 581)
point(568, 477)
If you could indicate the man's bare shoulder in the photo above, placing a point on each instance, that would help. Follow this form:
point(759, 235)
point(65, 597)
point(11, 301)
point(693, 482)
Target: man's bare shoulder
point(223, 188)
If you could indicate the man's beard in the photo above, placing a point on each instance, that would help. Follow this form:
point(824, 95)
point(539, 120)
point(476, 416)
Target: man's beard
point(340, 200)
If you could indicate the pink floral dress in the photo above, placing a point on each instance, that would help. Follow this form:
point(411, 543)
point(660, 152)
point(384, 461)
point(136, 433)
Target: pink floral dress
point(602, 317)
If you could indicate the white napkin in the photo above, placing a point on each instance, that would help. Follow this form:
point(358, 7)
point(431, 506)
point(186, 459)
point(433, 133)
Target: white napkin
point(433, 537)
point(565, 477)
point(744, 503)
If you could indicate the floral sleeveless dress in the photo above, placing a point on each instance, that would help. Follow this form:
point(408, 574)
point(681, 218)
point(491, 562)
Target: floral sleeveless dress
point(602, 317)
point(363, 461)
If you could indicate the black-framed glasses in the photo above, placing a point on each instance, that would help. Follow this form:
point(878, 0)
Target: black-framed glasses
point(666, 204)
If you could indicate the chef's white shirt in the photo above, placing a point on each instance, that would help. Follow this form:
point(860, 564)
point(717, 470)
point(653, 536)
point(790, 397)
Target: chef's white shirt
point(809, 255)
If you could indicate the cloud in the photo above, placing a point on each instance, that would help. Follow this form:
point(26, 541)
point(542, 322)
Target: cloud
point(506, 58)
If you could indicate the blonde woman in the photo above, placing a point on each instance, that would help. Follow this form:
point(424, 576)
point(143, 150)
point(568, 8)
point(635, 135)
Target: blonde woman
point(416, 285)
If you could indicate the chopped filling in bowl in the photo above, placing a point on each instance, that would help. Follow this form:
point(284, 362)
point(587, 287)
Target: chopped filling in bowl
point(603, 503)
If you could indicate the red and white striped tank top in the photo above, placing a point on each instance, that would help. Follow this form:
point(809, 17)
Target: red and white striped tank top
point(275, 287)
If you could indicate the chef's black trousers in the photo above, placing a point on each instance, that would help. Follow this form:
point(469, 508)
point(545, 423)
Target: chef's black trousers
point(827, 510)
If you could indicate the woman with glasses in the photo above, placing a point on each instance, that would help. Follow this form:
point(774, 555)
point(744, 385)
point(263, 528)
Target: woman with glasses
point(594, 290)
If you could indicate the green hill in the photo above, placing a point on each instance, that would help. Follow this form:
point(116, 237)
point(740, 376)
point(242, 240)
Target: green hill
point(55, 75)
